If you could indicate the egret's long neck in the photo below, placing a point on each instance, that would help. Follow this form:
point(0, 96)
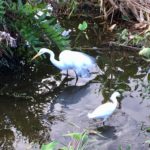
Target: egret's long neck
point(114, 100)
point(52, 59)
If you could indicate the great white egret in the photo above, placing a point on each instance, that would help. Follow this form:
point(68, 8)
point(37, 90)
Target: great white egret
point(105, 110)
point(77, 61)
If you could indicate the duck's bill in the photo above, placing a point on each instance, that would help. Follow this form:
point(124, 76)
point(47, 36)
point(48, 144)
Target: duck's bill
point(37, 55)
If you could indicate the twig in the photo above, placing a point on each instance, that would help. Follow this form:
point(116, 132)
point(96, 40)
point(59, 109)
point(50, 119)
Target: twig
point(124, 46)
point(109, 45)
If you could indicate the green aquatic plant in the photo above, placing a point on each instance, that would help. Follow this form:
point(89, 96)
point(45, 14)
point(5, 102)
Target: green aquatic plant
point(50, 146)
point(78, 142)
point(145, 52)
point(125, 37)
point(122, 36)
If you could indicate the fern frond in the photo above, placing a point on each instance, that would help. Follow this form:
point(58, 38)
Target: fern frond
point(2, 9)
point(34, 31)
point(54, 34)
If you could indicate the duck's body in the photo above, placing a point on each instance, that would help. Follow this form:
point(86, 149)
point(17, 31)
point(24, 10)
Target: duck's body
point(105, 110)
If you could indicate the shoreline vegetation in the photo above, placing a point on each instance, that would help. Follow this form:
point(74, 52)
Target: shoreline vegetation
point(38, 24)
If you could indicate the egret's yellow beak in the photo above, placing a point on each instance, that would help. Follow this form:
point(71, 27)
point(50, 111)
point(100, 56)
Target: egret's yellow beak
point(37, 55)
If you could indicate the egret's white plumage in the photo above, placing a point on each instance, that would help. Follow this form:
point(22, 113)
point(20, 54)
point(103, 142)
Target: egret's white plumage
point(77, 61)
point(105, 110)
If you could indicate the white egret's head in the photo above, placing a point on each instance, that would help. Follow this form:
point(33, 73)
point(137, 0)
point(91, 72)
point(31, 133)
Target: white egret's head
point(41, 51)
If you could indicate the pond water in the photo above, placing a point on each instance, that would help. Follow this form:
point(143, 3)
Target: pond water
point(38, 107)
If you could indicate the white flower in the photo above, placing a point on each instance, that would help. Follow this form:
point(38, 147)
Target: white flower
point(49, 7)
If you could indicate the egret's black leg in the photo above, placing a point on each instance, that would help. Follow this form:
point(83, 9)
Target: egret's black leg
point(76, 77)
point(67, 74)
point(103, 123)
point(66, 77)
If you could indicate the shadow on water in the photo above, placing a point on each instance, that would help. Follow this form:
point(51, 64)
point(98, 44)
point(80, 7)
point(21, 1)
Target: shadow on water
point(68, 98)
point(38, 107)
point(108, 132)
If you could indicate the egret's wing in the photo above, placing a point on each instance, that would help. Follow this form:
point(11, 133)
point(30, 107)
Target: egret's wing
point(66, 59)
point(83, 64)
point(103, 110)
point(86, 59)
point(83, 55)
point(76, 58)
point(78, 61)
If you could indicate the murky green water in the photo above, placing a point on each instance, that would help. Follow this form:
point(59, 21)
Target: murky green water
point(44, 108)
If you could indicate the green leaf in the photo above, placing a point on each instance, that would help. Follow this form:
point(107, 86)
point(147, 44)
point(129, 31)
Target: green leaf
point(76, 136)
point(50, 146)
point(145, 52)
point(84, 138)
point(83, 26)
point(64, 148)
